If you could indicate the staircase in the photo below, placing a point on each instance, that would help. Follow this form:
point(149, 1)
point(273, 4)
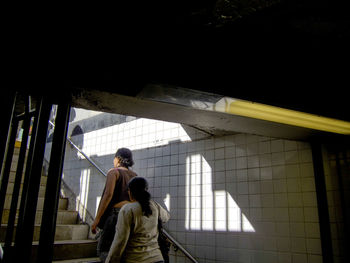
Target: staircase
point(71, 238)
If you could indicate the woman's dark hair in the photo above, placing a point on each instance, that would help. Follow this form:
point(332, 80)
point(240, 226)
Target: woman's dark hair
point(125, 157)
point(138, 187)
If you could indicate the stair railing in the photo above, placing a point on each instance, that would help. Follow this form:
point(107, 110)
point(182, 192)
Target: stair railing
point(177, 246)
point(174, 243)
point(86, 157)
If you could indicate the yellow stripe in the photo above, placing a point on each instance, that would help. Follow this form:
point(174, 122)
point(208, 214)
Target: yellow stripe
point(285, 116)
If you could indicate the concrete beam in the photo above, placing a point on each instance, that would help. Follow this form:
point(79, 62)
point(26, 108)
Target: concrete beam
point(189, 109)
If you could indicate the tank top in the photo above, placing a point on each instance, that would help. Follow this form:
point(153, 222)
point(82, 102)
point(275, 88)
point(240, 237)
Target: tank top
point(121, 186)
point(120, 193)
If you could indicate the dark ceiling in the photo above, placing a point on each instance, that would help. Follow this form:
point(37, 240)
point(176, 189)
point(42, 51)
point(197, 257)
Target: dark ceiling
point(287, 53)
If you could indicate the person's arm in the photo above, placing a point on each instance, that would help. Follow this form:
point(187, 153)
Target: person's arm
point(121, 236)
point(164, 215)
point(112, 177)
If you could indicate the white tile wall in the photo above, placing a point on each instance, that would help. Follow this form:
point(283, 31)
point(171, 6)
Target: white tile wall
point(239, 198)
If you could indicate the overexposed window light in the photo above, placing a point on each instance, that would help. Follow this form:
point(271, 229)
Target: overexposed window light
point(136, 134)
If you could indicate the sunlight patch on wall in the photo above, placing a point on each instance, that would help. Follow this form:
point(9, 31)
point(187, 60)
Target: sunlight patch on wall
point(98, 199)
point(207, 209)
point(220, 210)
point(246, 225)
point(82, 198)
point(167, 201)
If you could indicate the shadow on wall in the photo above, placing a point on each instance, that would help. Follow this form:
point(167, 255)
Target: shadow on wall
point(204, 187)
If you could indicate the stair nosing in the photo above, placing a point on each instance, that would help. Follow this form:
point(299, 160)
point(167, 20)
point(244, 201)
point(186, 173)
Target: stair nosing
point(5, 225)
point(81, 260)
point(68, 241)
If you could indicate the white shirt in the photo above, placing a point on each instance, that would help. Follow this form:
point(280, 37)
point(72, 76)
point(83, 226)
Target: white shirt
point(142, 246)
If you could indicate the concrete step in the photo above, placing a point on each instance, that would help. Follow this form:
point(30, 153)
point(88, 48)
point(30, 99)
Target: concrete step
point(17, 148)
point(12, 178)
point(68, 251)
point(71, 239)
point(10, 186)
point(79, 260)
point(15, 163)
point(63, 232)
point(62, 205)
point(64, 217)
point(73, 250)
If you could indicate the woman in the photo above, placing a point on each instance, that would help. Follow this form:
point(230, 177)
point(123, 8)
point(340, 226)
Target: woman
point(115, 195)
point(136, 236)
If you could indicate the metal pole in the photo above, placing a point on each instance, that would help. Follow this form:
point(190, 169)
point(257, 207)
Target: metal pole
point(322, 204)
point(26, 178)
point(344, 201)
point(24, 247)
point(48, 225)
point(17, 184)
point(5, 173)
point(6, 120)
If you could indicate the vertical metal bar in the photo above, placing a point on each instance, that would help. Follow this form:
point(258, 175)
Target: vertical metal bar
point(322, 204)
point(17, 184)
point(26, 179)
point(6, 120)
point(24, 247)
point(48, 225)
point(343, 202)
point(5, 173)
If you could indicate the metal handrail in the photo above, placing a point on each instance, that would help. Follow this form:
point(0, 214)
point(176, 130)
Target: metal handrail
point(82, 153)
point(86, 157)
point(175, 244)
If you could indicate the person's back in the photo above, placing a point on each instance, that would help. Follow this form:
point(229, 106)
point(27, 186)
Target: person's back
point(136, 236)
point(143, 245)
point(114, 196)
point(121, 187)
point(120, 193)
